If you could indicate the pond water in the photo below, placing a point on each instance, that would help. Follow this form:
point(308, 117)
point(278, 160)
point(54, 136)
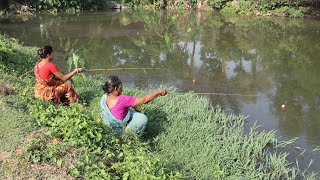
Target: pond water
point(261, 62)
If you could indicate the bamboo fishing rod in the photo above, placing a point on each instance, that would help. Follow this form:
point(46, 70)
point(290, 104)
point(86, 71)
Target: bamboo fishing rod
point(220, 94)
point(116, 69)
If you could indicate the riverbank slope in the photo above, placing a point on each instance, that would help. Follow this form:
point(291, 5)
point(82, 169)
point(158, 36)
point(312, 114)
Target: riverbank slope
point(186, 138)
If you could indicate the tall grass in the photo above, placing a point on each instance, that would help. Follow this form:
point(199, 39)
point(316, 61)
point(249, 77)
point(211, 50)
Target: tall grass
point(203, 142)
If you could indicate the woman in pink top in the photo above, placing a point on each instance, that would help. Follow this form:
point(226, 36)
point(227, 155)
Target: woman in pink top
point(50, 82)
point(115, 107)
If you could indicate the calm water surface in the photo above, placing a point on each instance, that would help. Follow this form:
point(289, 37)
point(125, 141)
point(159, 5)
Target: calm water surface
point(266, 61)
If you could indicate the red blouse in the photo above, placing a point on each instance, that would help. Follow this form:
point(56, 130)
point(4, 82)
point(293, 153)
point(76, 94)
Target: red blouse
point(46, 70)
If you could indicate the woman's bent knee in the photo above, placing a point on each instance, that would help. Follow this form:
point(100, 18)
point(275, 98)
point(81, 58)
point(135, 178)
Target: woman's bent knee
point(138, 122)
point(142, 118)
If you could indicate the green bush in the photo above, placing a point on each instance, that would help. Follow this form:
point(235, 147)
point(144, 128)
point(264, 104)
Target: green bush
point(15, 59)
point(63, 5)
point(263, 7)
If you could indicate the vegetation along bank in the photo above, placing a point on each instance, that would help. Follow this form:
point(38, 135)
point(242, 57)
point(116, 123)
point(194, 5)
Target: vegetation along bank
point(185, 137)
point(287, 8)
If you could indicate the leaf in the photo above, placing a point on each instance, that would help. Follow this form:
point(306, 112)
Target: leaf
point(91, 134)
point(98, 137)
point(75, 60)
point(50, 2)
point(125, 176)
point(167, 39)
point(59, 162)
point(189, 29)
point(75, 172)
point(84, 76)
point(86, 158)
point(69, 63)
point(101, 165)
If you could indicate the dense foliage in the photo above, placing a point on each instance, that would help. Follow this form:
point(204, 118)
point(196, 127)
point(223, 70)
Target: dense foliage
point(291, 8)
point(59, 5)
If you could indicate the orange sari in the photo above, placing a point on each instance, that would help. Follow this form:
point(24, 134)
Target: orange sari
point(51, 89)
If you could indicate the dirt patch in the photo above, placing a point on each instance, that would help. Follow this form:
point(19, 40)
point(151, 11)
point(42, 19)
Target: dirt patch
point(12, 164)
point(48, 171)
point(34, 135)
point(52, 170)
point(4, 155)
point(15, 165)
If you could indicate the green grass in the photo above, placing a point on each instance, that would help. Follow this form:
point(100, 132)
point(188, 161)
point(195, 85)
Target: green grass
point(16, 127)
point(15, 123)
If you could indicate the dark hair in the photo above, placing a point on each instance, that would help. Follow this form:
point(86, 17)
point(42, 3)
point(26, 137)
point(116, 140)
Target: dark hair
point(112, 82)
point(43, 52)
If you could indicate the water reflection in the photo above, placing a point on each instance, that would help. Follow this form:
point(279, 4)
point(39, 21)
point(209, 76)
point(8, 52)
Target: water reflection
point(201, 52)
point(44, 33)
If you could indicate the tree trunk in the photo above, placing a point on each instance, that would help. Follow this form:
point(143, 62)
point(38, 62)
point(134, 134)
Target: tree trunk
point(163, 4)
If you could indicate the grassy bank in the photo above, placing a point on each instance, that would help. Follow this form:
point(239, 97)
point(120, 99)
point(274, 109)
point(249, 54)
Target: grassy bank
point(186, 138)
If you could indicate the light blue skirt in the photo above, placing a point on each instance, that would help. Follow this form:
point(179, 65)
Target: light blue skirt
point(134, 121)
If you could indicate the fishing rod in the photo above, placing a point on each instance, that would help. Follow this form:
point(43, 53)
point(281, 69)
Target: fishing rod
point(205, 93)
point(117, 69)
point(221, 94)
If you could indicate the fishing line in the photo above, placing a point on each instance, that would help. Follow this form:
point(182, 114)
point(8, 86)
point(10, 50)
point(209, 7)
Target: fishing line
point(116, 69)
point(205, 93)
point(220, 94)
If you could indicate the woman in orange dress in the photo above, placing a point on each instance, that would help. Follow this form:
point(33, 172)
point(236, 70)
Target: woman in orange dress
point(50, 82)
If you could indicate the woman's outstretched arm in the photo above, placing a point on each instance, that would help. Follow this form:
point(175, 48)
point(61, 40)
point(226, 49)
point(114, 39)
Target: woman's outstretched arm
point(66, 77)
point(149, 97)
